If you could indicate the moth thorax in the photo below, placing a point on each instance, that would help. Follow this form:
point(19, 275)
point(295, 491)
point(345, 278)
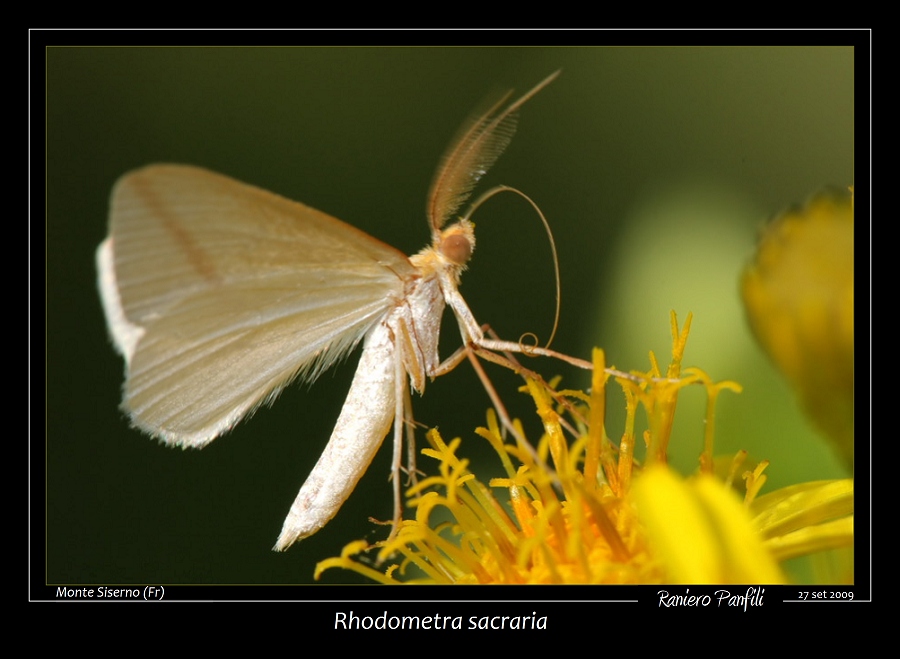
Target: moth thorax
point(457, 243)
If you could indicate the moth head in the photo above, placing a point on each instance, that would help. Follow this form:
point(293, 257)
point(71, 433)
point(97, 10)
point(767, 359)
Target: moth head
point(457, 242)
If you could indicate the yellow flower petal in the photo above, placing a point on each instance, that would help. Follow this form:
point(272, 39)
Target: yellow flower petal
point(700, 530)
point(804, 504)
point(798, 293)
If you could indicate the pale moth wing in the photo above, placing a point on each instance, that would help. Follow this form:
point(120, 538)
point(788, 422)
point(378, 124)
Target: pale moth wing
point(218, 294)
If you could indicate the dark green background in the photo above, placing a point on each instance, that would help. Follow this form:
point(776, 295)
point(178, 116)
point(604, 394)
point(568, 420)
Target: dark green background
point(654, 166)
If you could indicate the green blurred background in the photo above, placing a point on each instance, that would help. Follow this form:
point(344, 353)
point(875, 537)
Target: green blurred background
point(655, 167)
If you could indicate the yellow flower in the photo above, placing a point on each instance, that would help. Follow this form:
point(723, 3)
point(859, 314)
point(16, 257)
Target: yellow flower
point(598, 515)
point(798, 293)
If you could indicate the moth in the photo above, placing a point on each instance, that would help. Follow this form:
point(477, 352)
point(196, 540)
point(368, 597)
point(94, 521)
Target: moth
point(218, 294)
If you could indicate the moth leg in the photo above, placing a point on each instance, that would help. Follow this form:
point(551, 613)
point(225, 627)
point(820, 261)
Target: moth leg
point(473, 332)
point(508, 361)
point(402, 411)
point(412, 474)
point(450, 363)
point(537, 351)
point(473, 353)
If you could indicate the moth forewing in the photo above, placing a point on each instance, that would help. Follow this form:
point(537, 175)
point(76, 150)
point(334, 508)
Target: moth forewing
point(123, 333)
point(232, 291)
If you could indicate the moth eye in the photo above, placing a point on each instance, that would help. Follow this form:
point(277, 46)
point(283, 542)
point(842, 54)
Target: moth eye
point(457, 248)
